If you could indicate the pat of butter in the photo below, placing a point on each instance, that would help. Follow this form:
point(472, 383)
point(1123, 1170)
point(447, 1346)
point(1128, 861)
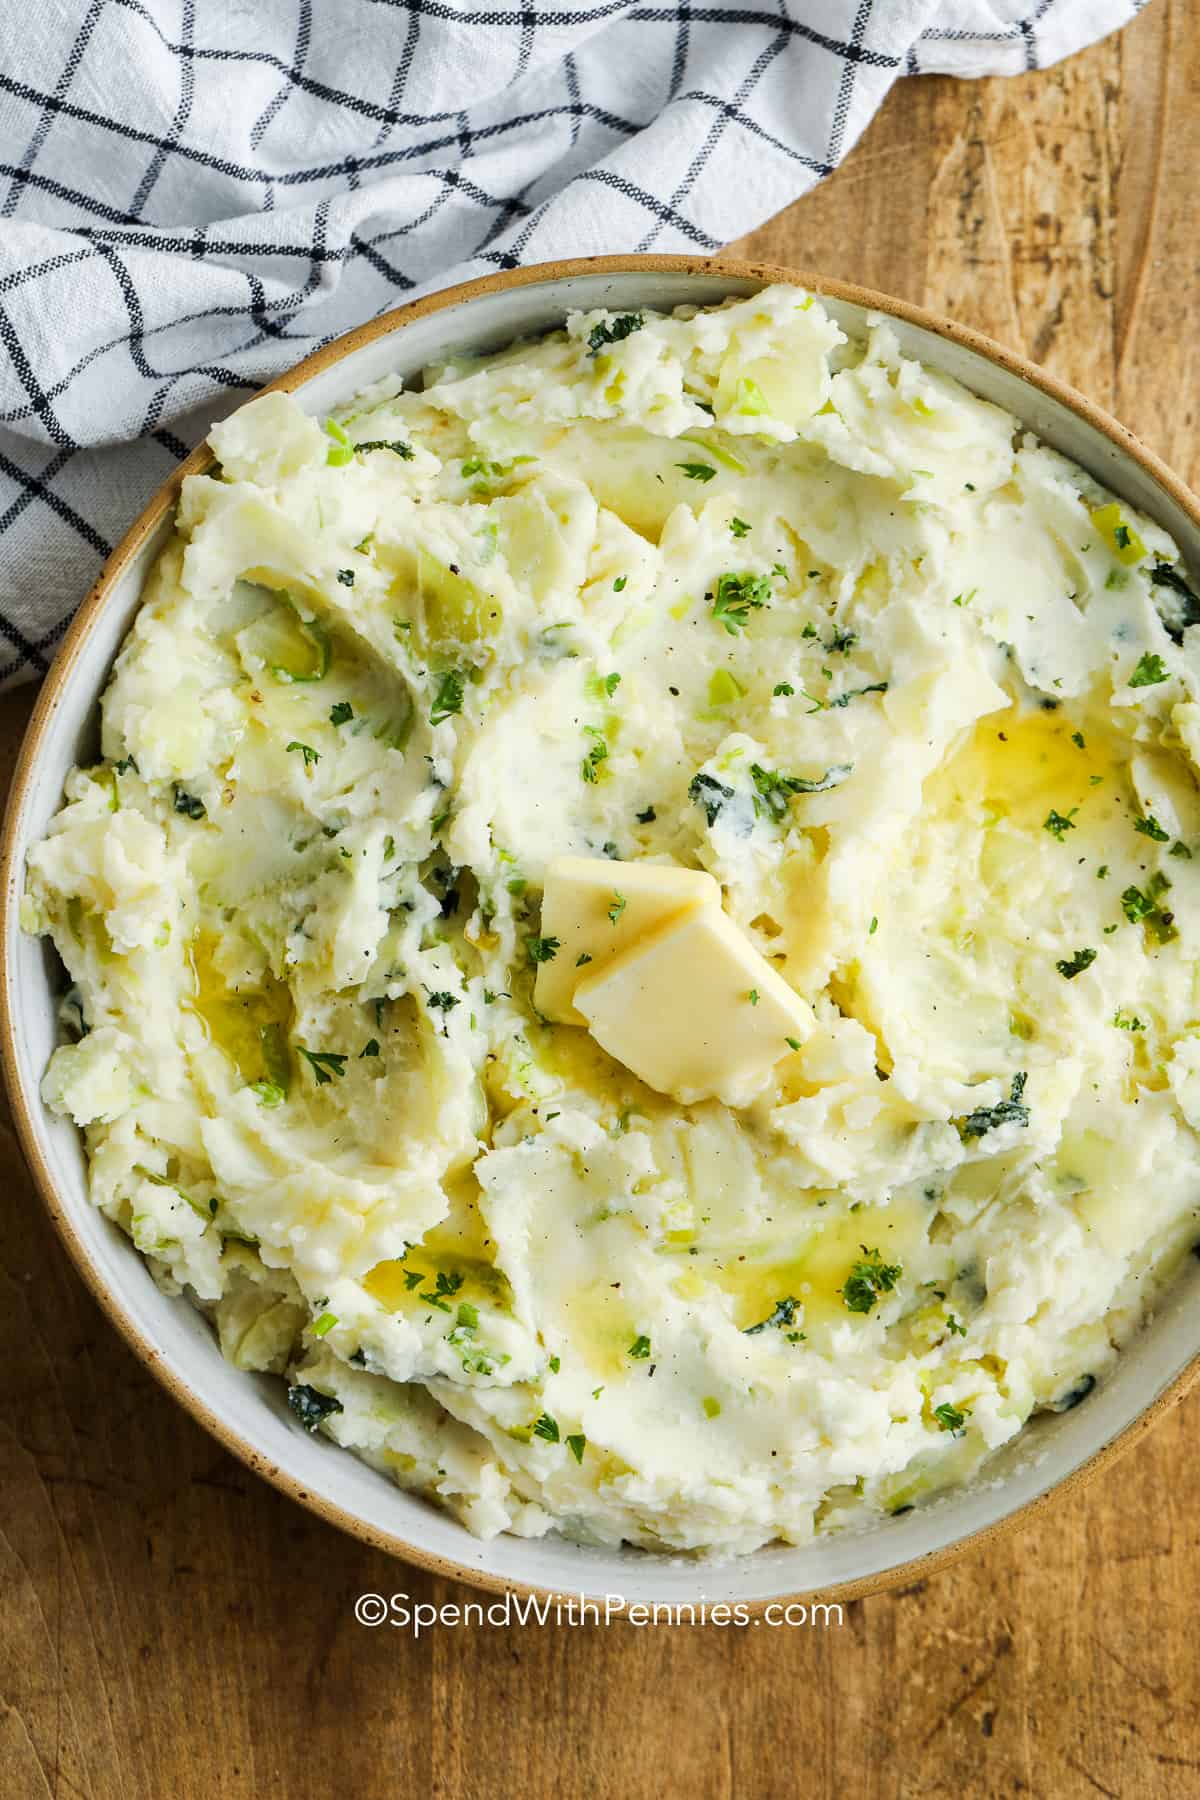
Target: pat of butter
point(597, 908)
point(694, 1010)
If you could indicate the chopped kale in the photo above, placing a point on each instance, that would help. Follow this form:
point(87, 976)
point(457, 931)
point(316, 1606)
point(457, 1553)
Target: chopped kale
point(1012, 1111)
point(188, 805)
point(782, 1313)
point(874, 687)
point(310, 1406)
point(1184, 610)
point(710, 794)
point(1071, 1399)
point(396, 445)
point(613, 331)
point(775, 790)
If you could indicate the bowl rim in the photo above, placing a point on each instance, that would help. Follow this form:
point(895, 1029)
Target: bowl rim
point(23, 1104)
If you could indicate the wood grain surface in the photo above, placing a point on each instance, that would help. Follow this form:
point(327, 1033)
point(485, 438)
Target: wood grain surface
point(170, 1626)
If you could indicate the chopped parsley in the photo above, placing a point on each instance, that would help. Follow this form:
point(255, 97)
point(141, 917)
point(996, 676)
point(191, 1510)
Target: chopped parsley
point(577, 1444)
point(736, 597)
point(1012, 1111)
point(1150, 671)
point(546, 1428)
point(1058, 824)
point(589, 768)
point(325, 1064)
point(370, 1048)
point(1137, 904)
point(311, 757)
point(954, 1327)
point(647, 816)
point(640, 1348)
point(1127, 1021)
point(582, 959)
point(752, 996)
point(341, 713)
point(613, 331)
point(444, 1288)
point(448, 697)
point(311, 1406)
point(346, 577)
point(738, 527)
point(619, 903)
point(1150, 827)
point(792, 1043)
point(444, 1002)
point(868, 1279)
point(952, 1418)
point(782, 689)
point(1072, 966)
point(697, 471)
point(542, 949)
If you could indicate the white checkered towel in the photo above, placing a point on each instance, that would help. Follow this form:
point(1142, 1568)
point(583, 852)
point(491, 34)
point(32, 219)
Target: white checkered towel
point(193, 196)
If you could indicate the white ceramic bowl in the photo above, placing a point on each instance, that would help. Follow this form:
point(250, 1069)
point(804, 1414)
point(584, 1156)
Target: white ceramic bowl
point(247, 1412)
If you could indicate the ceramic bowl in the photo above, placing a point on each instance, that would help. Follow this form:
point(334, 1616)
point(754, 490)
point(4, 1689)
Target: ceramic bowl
point(246, 1412)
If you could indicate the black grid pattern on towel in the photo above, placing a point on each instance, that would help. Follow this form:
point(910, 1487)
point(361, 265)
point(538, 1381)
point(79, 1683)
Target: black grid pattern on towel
point(193, 198)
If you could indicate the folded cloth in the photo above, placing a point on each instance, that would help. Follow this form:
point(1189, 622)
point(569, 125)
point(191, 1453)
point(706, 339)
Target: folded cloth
point(193, 197)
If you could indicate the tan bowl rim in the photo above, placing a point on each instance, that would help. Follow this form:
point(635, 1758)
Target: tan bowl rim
point(64, 662)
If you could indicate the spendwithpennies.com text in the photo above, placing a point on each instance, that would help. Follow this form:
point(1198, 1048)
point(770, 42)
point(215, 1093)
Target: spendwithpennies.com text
point(404, 1613)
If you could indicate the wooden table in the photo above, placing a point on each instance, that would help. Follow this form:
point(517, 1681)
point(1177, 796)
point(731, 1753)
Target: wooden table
point(171, 1626)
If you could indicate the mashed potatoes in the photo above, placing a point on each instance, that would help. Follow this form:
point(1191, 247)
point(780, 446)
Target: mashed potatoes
point(719, 593)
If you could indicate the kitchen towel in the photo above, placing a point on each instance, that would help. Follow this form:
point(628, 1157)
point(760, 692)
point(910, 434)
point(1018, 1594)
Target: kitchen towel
point(194, 196)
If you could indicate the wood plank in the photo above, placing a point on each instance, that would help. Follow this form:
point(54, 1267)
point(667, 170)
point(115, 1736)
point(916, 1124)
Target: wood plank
point(171, 1626)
